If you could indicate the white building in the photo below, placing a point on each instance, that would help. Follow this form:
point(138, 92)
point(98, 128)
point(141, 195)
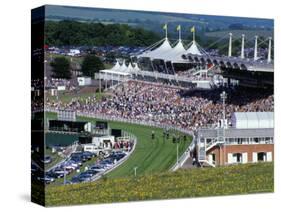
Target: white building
point(100, 143)
point(84, 81)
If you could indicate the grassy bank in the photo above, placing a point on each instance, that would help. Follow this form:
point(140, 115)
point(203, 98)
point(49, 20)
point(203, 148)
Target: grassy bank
point(236, 179)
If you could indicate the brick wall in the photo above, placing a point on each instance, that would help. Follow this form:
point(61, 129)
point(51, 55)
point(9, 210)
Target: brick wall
point(221, 152)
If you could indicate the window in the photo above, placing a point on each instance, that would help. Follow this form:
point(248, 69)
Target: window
point(239, 140)
point(262, 156)
point(268, 140)
point(256, 140)
point(237, 158)
point(208, 140)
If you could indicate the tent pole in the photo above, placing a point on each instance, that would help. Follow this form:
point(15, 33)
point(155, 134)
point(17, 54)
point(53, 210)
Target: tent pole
point(100, 84)
point(193, 36)
point(106, 81)
point(166, 67)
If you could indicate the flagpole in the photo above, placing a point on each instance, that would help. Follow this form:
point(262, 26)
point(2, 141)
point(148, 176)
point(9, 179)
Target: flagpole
point(179, 33)
point(166, 30)
point(193, 35)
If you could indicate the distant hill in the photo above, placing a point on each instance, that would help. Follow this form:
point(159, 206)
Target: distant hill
point(154, 20)
point(249, 34)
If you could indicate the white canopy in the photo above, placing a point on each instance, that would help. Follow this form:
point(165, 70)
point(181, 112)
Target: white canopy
point(163, 48)
point(130, 67)
point(116, 66)
point(252, 120)
point(175, 54)
point(193, 49)
point(136, 67)
point(123, 67)
point(167, 53)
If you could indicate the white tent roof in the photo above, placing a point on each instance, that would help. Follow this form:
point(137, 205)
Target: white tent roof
point(193, 49)
point(116, 66)
point(136, 67)
point(130, 67)
point(163, 48)
point(123, 67)
point(175, 54)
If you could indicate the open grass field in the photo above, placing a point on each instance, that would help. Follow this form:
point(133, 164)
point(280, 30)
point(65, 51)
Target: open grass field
point(236, 179)
point(149, 156)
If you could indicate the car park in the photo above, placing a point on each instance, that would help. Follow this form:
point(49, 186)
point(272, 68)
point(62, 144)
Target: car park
point(77, 159)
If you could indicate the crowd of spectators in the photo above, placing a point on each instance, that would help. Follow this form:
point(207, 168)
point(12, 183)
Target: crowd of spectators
point(190, 109)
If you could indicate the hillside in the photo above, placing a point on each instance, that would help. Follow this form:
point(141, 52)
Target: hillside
point(236, 179)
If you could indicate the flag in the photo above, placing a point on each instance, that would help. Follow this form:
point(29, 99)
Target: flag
point(192, 29)
point(178, 27)
point(165, 27)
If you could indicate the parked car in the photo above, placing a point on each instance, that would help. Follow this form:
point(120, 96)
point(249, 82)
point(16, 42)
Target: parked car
point(77, 160)
point(98, 168)
point(60, 170)
point(47, 159)
point(46, 179)
point(88, 155)
point(92, 172)
point(54, 175)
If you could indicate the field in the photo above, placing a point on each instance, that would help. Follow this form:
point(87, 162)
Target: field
point(236, 179)
point(150, 156)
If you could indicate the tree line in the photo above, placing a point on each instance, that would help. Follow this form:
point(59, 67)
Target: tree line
point(61, 67)
point(74, 33)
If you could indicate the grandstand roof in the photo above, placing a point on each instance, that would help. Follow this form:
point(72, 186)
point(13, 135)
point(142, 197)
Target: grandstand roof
point(237, 133)
point(110, 71)
point(249, 120)
point(154, 53)
point(175, 54)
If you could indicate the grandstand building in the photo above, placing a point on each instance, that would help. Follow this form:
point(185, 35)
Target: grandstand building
point(248, 139)
point(191, 66)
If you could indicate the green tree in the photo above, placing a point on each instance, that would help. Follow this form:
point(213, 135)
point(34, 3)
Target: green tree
point(91, 65)
point(61, 68)
point(67, 32)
